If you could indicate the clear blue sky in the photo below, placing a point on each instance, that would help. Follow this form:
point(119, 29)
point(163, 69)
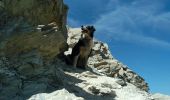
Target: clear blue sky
point(137, 31)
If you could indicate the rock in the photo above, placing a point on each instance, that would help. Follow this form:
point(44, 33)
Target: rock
point(106, 88)
point(27, 64)
point(23, 81)
point(102, 60)
point(102, 92)
point(57, 95)
point(3, 62)
point(131, 92)
point(159, 96)
point(32, 57)
point(26, 13)
point(33, 87)
point(121, 82)
point(19, 20)
point(10, 84)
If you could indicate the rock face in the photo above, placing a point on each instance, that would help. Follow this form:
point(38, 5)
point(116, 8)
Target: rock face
point(102, 60)
point(23, 15)
point(26, 76)
point(23, 20)
point(32, 34)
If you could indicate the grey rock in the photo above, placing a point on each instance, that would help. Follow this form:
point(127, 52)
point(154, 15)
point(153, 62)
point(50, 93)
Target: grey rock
point(102, 60)
point(30, 11)
point(158, 96)
point(27, 72)
point(57, 95)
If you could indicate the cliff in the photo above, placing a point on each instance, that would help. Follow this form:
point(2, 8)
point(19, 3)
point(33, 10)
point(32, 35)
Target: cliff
point(32, 34)
point(33, 24)
point(23, 15)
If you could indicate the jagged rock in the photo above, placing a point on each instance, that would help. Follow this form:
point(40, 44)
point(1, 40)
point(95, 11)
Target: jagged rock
point(102, 60)
point(26, 53)
point(105, 88)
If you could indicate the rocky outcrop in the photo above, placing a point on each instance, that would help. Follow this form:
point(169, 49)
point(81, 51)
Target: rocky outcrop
point(32, 35)
point(22, 19)
point(26, 76)
point(23, 15)
point(89, 86)
point(102, 61)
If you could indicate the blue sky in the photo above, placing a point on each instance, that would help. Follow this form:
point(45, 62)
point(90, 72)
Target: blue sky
point(137, 32)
